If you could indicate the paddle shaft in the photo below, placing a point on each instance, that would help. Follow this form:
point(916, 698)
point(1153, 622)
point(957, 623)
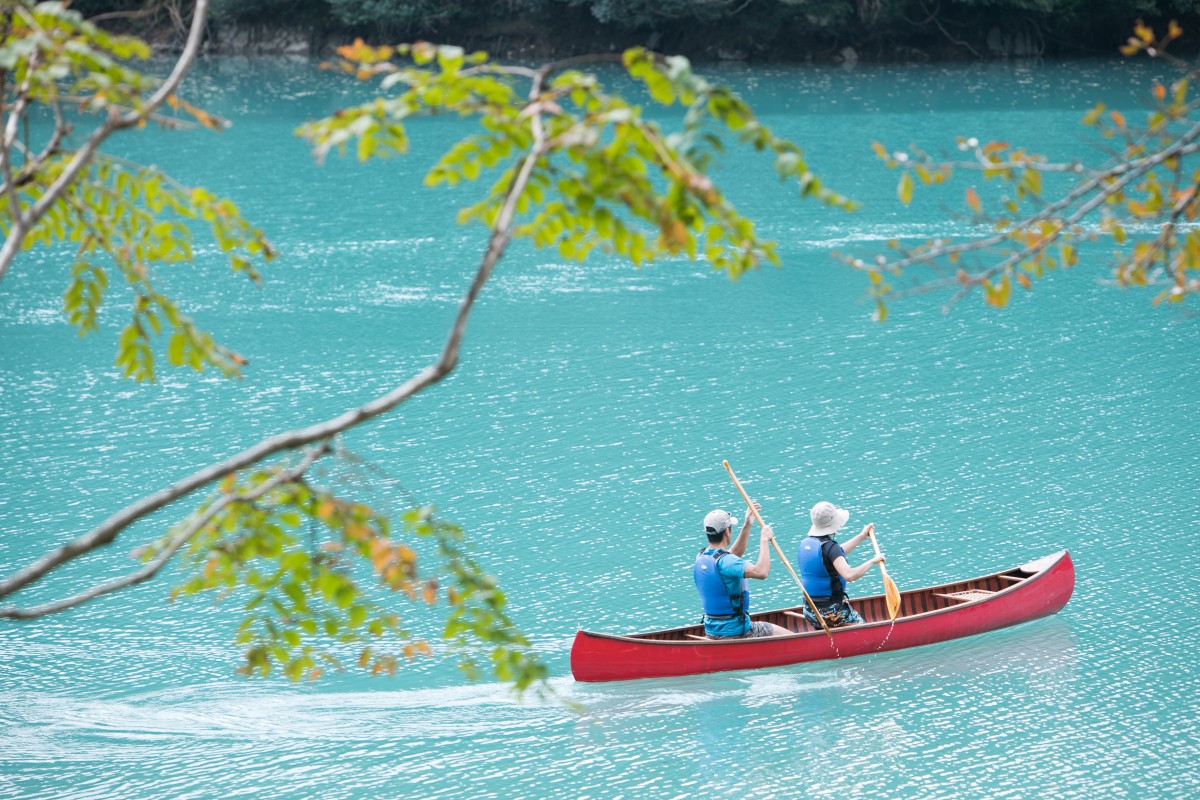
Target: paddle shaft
point(782, 557)
point(875, 544)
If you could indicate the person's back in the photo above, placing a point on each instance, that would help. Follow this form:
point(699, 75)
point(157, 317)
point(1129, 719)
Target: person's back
point(720, 574)
point(823, 567)
point(724, 595)
point(815, 558)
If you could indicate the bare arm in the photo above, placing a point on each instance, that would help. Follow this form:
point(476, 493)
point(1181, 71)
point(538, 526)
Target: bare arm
point(738, 548)
point(762, 568)
point(855, 541)
point(851, 573)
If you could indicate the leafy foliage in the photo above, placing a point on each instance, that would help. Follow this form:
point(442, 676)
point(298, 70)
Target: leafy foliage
point(606, 176)
point(583, 168)
point(1031, 233)
point(580, 167)
point(119, 217)
point(295, 555)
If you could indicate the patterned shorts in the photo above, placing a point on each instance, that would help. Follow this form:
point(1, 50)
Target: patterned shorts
point(757, 631)
point(836, 615)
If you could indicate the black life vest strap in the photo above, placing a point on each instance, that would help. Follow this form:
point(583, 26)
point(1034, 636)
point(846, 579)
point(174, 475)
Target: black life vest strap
point(835, 580)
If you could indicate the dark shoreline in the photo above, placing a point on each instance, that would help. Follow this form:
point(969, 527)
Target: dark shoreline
point(523, 39)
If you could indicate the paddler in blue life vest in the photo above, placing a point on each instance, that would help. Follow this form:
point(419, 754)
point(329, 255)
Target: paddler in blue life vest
point(721, 573)
point(824, 570)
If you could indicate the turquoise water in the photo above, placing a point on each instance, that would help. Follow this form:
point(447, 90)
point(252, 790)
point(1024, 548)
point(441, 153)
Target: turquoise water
point(580, 443)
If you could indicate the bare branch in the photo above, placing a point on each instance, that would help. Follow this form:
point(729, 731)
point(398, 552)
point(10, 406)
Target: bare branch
point(10, 139)
point(181, 537)
point(1124, 174)
point(84, 155)
point(501, 234)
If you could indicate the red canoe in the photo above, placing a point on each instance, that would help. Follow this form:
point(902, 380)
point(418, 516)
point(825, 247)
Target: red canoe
point(1037, 589)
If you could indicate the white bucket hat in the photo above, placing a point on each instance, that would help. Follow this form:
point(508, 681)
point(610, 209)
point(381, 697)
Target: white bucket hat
point(827, 519)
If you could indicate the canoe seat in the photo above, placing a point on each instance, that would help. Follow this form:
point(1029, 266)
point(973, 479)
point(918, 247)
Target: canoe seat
point(1013, 578)
point(967, 596)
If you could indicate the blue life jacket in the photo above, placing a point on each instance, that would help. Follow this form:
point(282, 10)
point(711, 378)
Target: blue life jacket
point(817, 573)
point(716, 598)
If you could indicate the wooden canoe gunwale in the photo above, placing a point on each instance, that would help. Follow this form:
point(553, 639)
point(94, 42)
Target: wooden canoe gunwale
point(604, 656)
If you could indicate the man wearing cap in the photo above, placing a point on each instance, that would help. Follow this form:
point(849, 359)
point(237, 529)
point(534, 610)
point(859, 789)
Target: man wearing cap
point(721, 572)
point(824, 570)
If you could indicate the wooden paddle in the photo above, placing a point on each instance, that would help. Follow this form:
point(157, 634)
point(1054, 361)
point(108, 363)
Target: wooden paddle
point(782, 557)
point(890, 592)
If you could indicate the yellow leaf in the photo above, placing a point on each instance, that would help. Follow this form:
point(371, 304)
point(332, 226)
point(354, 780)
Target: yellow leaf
point(997, 295)
point(351, 51)
point(1032, 180)
point(674, 235)
point(905, 189)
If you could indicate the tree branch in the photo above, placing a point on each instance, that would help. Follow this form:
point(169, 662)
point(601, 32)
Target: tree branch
point(1125, 173)
point(107, 531)
point(116, 121)
point(182, 537)
point(10, 140)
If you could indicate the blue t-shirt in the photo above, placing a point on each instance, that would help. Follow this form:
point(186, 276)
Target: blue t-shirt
point(732, 570)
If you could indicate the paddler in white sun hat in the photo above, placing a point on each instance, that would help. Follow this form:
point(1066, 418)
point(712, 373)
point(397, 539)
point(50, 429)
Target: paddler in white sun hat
point(824, 570)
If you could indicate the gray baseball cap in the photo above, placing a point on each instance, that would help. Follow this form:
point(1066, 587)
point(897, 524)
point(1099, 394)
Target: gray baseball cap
point(718, 521)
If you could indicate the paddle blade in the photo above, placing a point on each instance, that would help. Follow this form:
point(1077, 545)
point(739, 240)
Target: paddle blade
point(891, 595)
